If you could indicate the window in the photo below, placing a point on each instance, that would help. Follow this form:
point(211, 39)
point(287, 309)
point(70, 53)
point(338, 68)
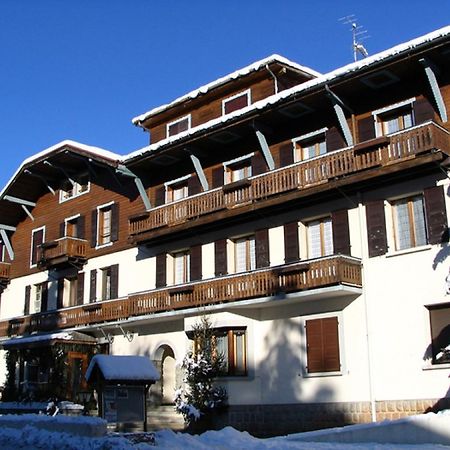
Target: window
point(310, 145)
point(394, 118)
point(73, 291)
point(74, 227)
point(409, 222)
point(440, 333)
point(104, 225)
point(37, 238)
point(238, 169)
point(181, 267)
point(176, 190)
point(110, 282)
point(322, 345)
point(70, 190)
point(320, 238)
point(231, 344)
point(178, 126)
point(38, 297)
point(244, 254)
point(236, 102)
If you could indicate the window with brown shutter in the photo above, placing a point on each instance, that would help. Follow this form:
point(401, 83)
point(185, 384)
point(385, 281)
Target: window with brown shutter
point(291, 242)
point(341, 232)
point(194, 186)
point(37, 238)
point(178, 126)
point(286, 154)
point(60, 295)
point(334, 139)
point(436, 216)
point(322, 344)
point(196, 262)
point(376, 228)
point(217, 177)
point(366, 129)
point(423, 111)
point(114, 222)
point(262, 248)
point(115, 281)
point(93, 286)
point(161, 276)
point(80, 288)
point(160, 195)
point(236, 102)
point(220, 257)
point(44, 298)
point(258, 163)
point(26, 305)
point(93, 228)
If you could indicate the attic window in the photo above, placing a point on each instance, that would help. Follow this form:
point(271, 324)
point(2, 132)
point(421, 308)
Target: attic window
point(236, 102)
point(179, 125)
point(69, 190)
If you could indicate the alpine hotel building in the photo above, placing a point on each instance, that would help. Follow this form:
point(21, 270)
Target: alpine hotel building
point(305, 214)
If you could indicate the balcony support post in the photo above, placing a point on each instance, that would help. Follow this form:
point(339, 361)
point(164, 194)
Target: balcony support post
point(6, 241)
point(430, 72)
point(123, 170)
point(199, 171)
point(40, 177)
point(339, 106)
point(265, 149)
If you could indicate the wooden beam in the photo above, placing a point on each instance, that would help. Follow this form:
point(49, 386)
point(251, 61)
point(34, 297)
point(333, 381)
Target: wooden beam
point(20, 201)
point(7, 242)
point(265, 149)
point(199, 171)
point(430, 72)
point(123, 170)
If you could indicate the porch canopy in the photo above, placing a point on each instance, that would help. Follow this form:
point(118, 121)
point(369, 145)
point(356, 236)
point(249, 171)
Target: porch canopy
point(122, 368)
point(42, 340)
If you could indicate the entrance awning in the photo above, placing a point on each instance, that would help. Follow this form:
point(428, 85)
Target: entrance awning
point(42, 340)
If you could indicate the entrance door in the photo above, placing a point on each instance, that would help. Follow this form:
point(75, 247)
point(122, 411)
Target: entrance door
point(77, 369)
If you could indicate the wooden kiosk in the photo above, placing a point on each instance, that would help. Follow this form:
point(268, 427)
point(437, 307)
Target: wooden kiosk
point(122, 384)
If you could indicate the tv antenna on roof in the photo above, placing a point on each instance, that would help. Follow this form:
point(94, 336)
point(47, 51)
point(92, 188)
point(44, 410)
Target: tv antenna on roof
point(358, 35)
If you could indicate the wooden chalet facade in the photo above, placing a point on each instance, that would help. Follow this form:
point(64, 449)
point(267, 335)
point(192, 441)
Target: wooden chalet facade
point(304, 213)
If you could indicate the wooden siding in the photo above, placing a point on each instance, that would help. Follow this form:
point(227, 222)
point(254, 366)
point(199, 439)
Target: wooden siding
point(307, 275)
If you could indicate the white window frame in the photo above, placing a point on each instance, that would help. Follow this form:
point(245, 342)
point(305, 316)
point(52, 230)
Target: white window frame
point(174, 122)
point(34, 293)
point(77, 193)
point(305, 225)
point(171, 266)
point(387, 109)
point(168, 184)
point(247, 92)
point(232, 252)
point(341, 338)
point(237, 160)
point(34, 230)
point(67, 220)
point(307, 137)
point(99, 208)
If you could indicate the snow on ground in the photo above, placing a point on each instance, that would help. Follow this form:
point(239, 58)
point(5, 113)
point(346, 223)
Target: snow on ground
point(30, 437)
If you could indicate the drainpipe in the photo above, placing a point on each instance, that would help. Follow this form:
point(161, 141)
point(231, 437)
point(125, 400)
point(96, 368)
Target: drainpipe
point(274, 77)
point(373, 411)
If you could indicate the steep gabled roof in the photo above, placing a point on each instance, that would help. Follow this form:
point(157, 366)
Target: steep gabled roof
point(227, 78)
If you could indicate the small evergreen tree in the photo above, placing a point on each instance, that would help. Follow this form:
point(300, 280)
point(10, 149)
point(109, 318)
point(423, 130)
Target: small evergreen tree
point(200, 397)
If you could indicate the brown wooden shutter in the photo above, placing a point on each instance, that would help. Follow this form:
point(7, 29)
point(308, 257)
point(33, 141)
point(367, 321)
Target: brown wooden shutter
point(259, 165)
point(262, 248)
point(80, 288)
point(322, 339)
point(62, 229)
point(93, 227)
point(194, 186)
point(341, 233)
point(376, 228)
point(93, 286)
point(115, 215)
point(38, 239)
point(196, 263)
point(437, 226)
point(44, 299)
point(291, 244)
point(60, 295)
point(286, 153)
point(160, 195)
point(220, 257)
point(114, 281)
point(217, 177)
point(161, 276)
point(423, 111)
point(81, 227)
point(334, 139)
point(26, 305)
point(366, 129)
point(236, 103)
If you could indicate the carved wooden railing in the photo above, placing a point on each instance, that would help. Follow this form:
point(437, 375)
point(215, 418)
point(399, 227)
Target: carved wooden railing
point(4, 272)
point(378, 152)
point(61, 250)
point(274, 281)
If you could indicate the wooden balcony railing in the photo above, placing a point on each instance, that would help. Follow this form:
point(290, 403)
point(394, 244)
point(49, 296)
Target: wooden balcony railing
point(4, 273)
point(268, 282)
point(378, 152)
point(62, 251)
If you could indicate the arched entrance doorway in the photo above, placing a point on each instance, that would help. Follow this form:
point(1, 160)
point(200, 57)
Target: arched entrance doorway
point(165, 388)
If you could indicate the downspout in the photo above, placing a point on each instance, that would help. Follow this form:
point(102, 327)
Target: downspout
point(274, 78)
point(373, 411)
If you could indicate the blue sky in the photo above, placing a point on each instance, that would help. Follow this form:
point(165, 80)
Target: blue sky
point(82, 69)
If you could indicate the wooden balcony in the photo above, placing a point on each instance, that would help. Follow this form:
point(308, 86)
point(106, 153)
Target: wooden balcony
point(262, 283)
point(378, 153)
point(63, 252)
point(4, 274)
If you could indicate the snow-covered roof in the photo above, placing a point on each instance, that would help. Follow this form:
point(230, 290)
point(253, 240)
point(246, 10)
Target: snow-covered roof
point(40, 338)
point(308, 85)
point(123, 367)
point(94, 151)
point(220, 81)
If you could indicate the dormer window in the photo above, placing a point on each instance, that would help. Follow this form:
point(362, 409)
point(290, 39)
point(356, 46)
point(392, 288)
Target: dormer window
point(69, 190)
point(179, 125)
point(236, 102)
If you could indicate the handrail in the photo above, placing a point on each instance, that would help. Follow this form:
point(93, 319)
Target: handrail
point(391, 149)
point(5, 269)
point(66, 246)
point(267, 282)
